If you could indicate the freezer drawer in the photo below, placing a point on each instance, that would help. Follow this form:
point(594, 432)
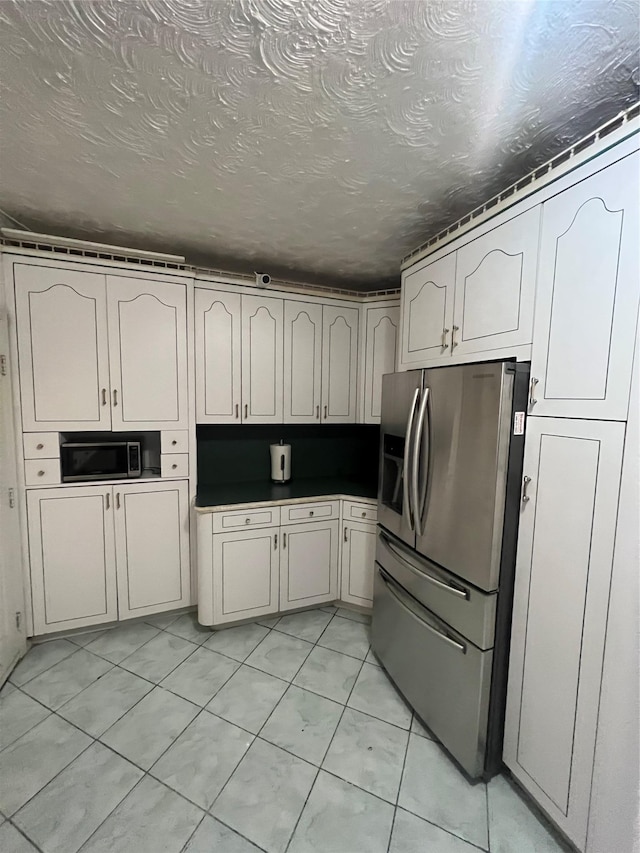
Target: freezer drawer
point(466, 609)
point(443, 677)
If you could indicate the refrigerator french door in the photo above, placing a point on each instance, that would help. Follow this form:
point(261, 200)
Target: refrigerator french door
point(448, 504)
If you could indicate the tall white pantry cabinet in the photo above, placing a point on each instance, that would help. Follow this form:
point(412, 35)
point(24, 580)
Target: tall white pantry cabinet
point(555, 279)
point(102, 349)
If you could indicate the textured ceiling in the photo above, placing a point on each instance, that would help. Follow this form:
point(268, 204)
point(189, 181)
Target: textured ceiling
point(318, 139)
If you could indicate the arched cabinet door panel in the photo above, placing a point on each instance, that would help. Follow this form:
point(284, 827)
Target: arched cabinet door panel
point(218, 356)
point(302, 362)
point(495, 286)
point(339, 364)
point(61, 321)
point(262, 380)
point(147, 354)
point(381, 343)
point(427, 312)
point(587, 296)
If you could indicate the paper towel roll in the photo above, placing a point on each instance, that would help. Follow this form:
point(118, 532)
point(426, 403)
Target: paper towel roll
point(280, 462)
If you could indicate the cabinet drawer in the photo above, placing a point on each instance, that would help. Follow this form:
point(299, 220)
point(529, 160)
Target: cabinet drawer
point(174, 465)
point(249, 518)
point(360, 512)
point(41, 445)
point(41, 472)
point(174, 441)
point(310, 512)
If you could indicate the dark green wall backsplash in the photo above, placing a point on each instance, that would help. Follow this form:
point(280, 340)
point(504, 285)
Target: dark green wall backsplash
point(234, 454)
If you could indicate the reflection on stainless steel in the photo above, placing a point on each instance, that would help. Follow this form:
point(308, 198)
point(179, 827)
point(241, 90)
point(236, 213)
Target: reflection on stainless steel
point(445, 552)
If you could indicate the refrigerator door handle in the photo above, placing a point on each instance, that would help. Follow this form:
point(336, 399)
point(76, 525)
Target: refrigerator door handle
point(415, 464)
point(406, 498)
point(423, 622)
point(454, 590)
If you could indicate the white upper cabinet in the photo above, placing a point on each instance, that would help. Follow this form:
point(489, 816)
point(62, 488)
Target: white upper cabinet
point(495, 287)
point(587, 296)
point(147, 353)
point(262, 371)
point(302, 362)
point(72, 556)
point(381, 342)
point(152, 547)
point(218, 356)
point(62, 342)
point(427, 311)
point(339, 364)
point(563, 572)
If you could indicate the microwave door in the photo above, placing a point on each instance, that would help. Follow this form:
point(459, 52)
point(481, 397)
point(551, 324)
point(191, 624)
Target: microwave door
point(461, 461)
point(401, 394)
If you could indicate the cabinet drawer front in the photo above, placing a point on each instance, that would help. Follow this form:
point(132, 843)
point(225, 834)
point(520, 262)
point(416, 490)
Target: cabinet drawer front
point(41, 445)
point(249, 518)
point(174, 464)
point(41, 472)
point(360, 512)
point(174, 441)
point(310, 512)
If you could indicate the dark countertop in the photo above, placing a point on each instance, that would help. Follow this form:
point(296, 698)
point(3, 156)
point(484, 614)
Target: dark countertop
point(262, 491)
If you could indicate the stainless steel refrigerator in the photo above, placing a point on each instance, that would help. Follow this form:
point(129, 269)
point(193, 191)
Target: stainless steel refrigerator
point(451, 447)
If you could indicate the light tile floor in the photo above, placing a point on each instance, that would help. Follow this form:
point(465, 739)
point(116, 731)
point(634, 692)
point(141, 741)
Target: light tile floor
point(281, 735)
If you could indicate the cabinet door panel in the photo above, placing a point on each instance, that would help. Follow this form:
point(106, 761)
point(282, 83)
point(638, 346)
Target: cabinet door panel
point(427, 311)
point(262, 321)
point(587, 300)
point(565, 548)
point(308, 564)
point(147, 353)
point(358, 558)
point(245, 575)
point(152, 547)
point(302, 362)
point(380, 357)
point(72, 557)
point(62, 344)
point(495, 286)
point(218, 357)
point(339, 364)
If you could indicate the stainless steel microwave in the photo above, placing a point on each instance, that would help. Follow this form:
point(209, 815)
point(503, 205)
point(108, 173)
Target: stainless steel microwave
point(100, 460)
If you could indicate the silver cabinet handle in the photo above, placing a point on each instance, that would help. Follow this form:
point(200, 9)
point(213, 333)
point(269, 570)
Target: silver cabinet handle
point(532, 387)
point(415, 464)
point(174, 466)
point(445, 637)
point(108, 500)
point(454, 343)
point(444, 343)
point(247, 521)
point(39, 446)
point(406, 474)
point(115, 396)
point(345, 534)
point(246, 411)
point(364, 514)
point(310, 512)
point(454, 590)
point(174, 442)
point(284, 540)
point(40, 473)
point(275, 542)
point(325, 413)
point(525, 485)
point(104, 396)
point(317, 412)
point(237, 411)
point(117, 500)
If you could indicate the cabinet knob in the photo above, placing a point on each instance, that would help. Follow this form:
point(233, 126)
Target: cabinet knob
point(364, 514)
point(39, 446)
point(311, 512)
point(174, 442)
point(174, 466)
point(247, 521)
point(40, 473)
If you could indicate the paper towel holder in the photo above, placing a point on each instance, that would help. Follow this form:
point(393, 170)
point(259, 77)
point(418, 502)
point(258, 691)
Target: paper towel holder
point(280, 462)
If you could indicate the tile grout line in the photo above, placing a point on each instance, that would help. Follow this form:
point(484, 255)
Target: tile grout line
point(404, 761)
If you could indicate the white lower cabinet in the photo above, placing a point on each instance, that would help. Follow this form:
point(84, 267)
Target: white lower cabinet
point(152, 547)
point(245, 574)
point(308, 564)
point(358, 558)
point(72, 550)
point(563, 574)
point(99, 553)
